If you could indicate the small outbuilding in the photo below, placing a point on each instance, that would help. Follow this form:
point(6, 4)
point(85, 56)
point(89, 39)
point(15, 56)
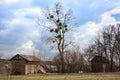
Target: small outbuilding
point(26, 64)
point(99, 64)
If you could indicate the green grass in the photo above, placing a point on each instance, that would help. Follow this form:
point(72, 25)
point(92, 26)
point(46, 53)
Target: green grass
point(87, 76)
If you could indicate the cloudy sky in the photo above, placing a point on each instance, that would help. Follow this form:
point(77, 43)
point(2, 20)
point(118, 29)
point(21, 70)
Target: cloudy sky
point(20, 34)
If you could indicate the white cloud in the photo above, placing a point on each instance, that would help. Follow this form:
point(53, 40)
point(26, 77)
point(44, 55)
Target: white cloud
point(31, 11)
point(20, 21)
point(27, 48)
point(85, 33)
point(23, 18)
point(107, 17)
point(28, 45)
point(19, 2)
point(11, 1)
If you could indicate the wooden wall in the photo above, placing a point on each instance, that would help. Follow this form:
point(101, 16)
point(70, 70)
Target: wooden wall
point(18, 67)
point(30, 69)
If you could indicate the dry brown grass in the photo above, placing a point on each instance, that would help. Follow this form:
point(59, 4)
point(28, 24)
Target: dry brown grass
point(84, 76)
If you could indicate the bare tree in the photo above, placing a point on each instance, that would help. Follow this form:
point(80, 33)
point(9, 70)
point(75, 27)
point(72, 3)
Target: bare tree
point(6, 69)
point(107, 45)
point(74, 61)
point(90, 52)
point(117, 44)
point(57, 62)
point(59, 25)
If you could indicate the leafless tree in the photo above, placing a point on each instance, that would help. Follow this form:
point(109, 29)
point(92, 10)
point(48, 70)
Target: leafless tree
point(6, 69)
point(74, 61)
point(110, 44)
point(117, 43)
point(59, 26)
point(110, 41)
point(57, 62)
point(107, 45)
point(90, 52)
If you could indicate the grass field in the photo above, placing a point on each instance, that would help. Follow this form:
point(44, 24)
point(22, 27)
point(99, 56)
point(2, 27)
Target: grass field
point(85, 76)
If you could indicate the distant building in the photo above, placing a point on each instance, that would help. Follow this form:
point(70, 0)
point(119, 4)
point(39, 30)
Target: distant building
point(26, 64)
point(99, 64)
point(50, 66)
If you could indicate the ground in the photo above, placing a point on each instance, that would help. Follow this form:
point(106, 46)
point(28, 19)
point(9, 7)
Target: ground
point(84, 76)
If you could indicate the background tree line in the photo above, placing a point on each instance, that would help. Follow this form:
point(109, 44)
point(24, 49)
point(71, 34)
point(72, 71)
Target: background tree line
point(107, 44)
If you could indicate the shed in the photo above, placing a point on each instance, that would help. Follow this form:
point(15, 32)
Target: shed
point(99, 64)
point(25, 64)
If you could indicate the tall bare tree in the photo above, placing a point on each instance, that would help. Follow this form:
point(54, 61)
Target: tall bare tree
point(59, 25)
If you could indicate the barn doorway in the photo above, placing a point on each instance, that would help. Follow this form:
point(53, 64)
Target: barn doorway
point(17, 73)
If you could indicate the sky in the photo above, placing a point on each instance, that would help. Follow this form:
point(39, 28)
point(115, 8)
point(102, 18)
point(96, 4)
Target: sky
point(19, 33)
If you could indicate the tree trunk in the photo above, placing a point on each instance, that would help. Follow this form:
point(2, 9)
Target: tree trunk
point(61, 57)
point(62, 64)
point(119, 64)
point(111, 63)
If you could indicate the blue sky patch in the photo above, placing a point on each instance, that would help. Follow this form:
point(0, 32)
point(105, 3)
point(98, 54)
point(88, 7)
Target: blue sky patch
point(117, 17)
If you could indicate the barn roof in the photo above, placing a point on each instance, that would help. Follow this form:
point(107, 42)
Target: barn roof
point(27, 57)
point(100, 59)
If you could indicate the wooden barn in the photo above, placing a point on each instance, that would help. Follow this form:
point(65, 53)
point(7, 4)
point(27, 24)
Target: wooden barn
point(26, 64)
point(99, 64)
